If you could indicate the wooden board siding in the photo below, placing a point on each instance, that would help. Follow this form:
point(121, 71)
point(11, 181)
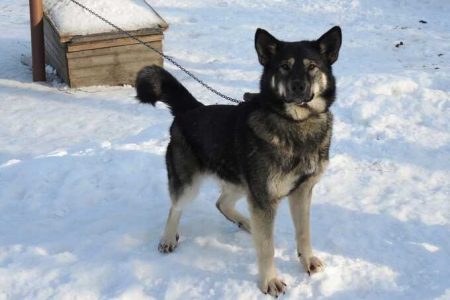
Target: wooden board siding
point(110, 35)
point(55, 52)
point(110, 66)
point(74, 47)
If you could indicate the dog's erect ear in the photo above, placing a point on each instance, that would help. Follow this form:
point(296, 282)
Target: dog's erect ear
point(266, 46)
point(330, 43)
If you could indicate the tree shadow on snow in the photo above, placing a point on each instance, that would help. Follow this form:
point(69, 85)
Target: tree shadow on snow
point(13, 68)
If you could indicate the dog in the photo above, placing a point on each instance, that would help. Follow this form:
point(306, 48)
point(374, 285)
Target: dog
point(274, 144)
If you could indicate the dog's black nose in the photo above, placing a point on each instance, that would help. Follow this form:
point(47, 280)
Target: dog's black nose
point(298, 86)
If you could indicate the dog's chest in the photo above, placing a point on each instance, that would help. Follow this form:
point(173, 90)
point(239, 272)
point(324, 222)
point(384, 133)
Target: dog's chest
point(282, 182)
point(294, 149)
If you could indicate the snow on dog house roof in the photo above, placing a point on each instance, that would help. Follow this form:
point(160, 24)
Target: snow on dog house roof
point(131, 15)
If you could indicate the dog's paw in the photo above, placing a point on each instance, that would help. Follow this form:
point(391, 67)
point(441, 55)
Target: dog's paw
point(273, 287)
point(312, 264)
point(167, 245)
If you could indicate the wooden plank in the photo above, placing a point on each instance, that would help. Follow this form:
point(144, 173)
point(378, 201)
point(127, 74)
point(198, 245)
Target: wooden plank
point(74, 47)
point(54, 51)
point(110, 35)
point(110, 55)
point(52, 26)
point(125, 74)
point(110, 66)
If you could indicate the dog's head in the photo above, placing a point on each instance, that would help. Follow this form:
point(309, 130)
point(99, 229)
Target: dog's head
point(297, 78)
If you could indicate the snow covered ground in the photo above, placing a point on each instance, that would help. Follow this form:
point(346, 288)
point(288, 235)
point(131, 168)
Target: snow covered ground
point(83, 196)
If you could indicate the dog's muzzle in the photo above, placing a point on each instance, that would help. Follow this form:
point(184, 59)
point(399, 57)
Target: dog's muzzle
point(301, 101)
point(299, 92)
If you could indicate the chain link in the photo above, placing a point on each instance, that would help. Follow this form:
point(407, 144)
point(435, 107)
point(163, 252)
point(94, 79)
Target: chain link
point(157, 51)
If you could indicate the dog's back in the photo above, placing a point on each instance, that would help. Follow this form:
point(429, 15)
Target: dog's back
point(212, 133)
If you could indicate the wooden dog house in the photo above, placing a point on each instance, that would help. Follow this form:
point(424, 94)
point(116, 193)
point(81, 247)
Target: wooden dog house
point(86, 51)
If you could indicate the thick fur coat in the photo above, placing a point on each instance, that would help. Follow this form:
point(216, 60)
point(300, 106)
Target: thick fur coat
point(273, 145)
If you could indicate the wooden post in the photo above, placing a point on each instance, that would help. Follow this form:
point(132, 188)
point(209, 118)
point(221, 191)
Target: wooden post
point(37, 40)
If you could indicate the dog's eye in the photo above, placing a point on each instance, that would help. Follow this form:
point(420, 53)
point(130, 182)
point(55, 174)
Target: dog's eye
point(312, 67)
point(285, 67)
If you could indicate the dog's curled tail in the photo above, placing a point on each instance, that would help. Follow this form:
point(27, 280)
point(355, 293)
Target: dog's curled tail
point(154, 84)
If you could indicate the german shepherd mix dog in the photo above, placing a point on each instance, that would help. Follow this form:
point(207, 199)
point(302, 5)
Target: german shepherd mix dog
point(274, 145)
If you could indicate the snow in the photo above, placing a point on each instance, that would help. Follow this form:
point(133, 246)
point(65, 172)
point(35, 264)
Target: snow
point(127, 14)
point(83, 194)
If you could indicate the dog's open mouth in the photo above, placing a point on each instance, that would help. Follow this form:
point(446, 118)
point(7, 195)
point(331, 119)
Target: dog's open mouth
point(304, 102)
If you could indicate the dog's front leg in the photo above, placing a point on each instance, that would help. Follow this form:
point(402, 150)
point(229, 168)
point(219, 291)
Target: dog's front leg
point(262, 224)
point(300, 203)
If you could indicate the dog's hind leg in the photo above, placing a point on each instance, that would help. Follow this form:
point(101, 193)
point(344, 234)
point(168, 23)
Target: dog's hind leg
point(169, 240)
point(184, 180)
point(226, 205)
point(187, 193)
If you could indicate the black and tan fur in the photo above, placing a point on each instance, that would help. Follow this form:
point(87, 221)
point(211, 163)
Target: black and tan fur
point(273, 145)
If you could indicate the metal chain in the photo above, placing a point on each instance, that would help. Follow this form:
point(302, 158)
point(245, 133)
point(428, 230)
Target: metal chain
point(157, 51)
